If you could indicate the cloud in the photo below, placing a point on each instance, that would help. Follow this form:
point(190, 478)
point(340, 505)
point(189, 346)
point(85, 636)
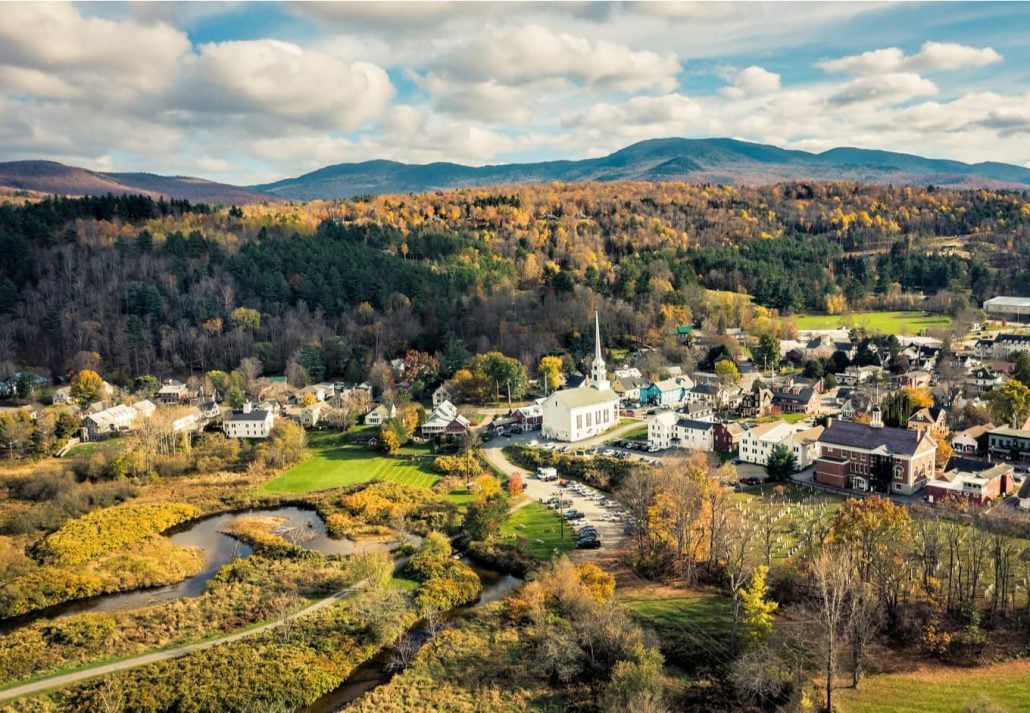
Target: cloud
point(485, 101)
point(933, 56)
point(753, 80)
point(890, 88)
point(534, 53)
point(57, 38)
point(280, 79)
point(641, 117)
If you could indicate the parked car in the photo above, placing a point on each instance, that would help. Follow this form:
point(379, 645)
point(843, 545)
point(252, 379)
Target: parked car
point(574, 515)
point(588, 545)
point(750, 480)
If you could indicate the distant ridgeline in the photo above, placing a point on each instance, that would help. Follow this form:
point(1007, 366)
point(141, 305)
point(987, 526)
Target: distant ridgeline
point(151, 286)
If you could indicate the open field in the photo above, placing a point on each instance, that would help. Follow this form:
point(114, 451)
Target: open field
point(108, 446)
point(886, 322)
point(540, 525)
point(694, 627)
point(334, 464)
point(941, 690)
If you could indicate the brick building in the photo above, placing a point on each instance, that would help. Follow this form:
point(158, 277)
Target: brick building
point(866, 457)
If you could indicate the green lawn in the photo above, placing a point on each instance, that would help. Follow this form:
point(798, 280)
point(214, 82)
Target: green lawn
point(107, 447)
point(637, 434)
point(886, 322)
point(334, 463)
point(541, 526)
point(1006, 686)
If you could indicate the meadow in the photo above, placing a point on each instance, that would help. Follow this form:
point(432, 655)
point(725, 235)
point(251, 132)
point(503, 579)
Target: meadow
point(335, 463)
point(938, 689)
point(542, 528)
point(694, 628)
point(885, 322)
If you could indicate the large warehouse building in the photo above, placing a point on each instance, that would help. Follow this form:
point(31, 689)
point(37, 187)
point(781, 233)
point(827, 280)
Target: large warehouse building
point(1014, 309)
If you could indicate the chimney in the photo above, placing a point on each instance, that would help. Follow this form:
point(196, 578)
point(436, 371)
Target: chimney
point(877, 421)
point(247, 407)
point(829, 421)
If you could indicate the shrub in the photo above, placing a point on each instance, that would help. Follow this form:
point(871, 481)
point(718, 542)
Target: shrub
point(82, 539)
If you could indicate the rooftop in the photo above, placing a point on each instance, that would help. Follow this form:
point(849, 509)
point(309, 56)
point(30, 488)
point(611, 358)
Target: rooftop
point(1008, 302)
point(584, 396)
point(859, 435)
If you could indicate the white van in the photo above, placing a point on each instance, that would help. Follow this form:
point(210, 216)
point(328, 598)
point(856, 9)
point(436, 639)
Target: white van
point(547, 474)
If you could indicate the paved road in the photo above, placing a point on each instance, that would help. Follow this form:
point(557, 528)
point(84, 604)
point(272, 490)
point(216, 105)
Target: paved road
point(69, 678)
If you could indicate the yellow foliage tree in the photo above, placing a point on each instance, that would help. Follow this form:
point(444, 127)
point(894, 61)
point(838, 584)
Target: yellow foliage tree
point(550, 368)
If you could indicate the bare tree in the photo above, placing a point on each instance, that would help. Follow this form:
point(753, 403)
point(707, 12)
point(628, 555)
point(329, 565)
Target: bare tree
point(865, 616)
point(638, 492)
point(833, 575)
point(404, 652)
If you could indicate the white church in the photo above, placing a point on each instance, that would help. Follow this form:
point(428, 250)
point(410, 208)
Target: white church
point(585, 411)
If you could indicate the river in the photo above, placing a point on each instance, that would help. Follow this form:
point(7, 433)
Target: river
point(218, 548)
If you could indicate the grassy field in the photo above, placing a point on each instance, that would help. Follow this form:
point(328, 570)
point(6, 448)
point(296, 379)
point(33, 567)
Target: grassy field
point(334, 464)
point(637, 434)
point(941, 690)
point(108, 446)
point(886, 322)
point(694, 628)
point(540, 525)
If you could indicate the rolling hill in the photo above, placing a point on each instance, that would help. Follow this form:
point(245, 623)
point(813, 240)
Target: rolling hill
point(692, 160)
point(56, 178)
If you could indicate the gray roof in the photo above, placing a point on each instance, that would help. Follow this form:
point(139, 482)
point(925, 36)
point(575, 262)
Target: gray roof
point(695, 425)
point(859, 435)
point(255, 415)
point(1024, 492)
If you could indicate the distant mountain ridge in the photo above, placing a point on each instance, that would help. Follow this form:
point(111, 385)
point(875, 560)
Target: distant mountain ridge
point(56, 178)
point(691, 160)
point(725, 161)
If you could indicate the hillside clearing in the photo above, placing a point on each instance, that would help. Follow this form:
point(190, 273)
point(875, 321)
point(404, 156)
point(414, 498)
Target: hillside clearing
point(885, 322)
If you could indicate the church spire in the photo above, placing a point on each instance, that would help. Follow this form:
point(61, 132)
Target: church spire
point(598, 372)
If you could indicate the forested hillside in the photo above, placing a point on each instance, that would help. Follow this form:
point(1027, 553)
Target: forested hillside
point(172, 288)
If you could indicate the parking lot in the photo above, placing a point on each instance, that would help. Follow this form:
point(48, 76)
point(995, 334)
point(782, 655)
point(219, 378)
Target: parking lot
point(600, 510)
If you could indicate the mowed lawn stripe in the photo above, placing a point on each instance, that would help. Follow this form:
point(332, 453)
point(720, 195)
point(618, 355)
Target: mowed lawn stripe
point(335, 465)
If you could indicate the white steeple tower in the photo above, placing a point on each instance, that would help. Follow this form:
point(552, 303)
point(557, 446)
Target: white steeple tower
point(598, 372)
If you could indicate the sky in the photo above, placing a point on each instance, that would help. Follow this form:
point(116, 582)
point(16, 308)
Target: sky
point(254, 92)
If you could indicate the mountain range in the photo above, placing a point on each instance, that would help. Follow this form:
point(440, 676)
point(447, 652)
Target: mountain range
point(725, 161)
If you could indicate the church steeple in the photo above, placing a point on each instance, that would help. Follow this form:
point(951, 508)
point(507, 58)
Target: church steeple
point(598, 372)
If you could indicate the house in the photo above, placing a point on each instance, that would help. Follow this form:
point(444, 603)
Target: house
point(931, 418)
point(319, 391)
point(308, 416)
point(978, 482)
point(380, 414)
point(669, 429)
point(915, 378)
point(444, 392)
point(145, 408)
point(1005, 345)
point(209, 410)
point(667, 392)
point(972, 441)
point(249, 422)
point(983, 380)
point(1024, 495)
point(1007, 442)
point(826, 345)
point(726, 436)
point(864, 456)
point(757, 402)
point(173, 392)
point(856, 375)
point(629, 387)
point(62, 395)
point(627, 372)
point(757, 442)
point(109, 422)
point(697, 412)
point(530, 418)
point(445, 419)
point(584, 411)
point(187, 423)
point(796, 397)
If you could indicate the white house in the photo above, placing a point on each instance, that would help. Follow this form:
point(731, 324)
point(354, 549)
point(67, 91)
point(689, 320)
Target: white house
point(758, 441)
point(669, 429)
point(445, 419)
point(587, 410)
point(380, 414)
point(249, 422)
point(63, 395)
point(145, 408)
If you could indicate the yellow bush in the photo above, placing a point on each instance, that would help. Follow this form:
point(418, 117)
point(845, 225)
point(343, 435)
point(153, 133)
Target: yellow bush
point(106, 530)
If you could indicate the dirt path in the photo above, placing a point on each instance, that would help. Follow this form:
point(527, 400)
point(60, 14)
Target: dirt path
point(46, 684)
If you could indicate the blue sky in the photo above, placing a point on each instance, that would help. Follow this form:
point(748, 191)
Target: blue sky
point(252, 92)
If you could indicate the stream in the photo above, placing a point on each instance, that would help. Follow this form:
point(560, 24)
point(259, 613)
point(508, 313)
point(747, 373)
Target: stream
point(375, 672)
point(219, 550)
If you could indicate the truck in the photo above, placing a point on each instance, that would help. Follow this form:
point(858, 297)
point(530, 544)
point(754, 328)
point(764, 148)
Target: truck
point(547, 474)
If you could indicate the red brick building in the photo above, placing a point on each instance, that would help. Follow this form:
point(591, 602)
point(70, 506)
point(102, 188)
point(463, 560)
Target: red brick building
point(981, 483)
point(871, 457)
point(726, 436)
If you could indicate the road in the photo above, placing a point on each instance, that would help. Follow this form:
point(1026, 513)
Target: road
point(611, 534)
point(46, 684)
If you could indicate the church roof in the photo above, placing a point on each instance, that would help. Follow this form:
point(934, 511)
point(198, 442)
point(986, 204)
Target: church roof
point(585, 396)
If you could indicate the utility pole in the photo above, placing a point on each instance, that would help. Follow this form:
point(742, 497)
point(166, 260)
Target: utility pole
point(509, 396)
